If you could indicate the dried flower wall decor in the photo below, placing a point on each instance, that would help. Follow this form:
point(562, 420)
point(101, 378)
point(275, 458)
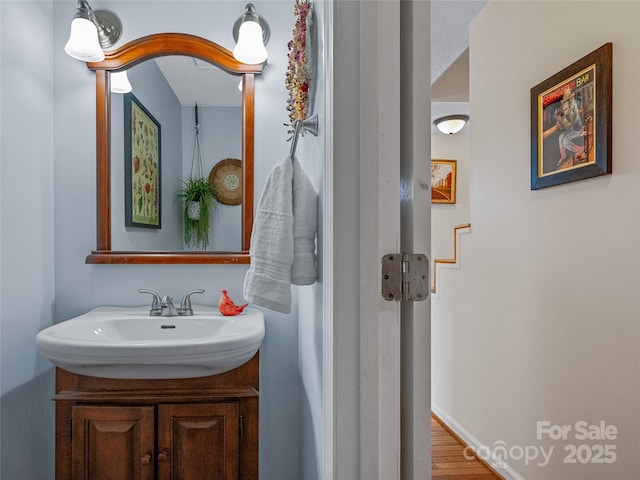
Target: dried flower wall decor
point(300, 68)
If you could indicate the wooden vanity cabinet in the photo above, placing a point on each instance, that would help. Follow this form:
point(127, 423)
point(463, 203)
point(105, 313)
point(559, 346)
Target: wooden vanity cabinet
point(112, 442)
point(196, 429)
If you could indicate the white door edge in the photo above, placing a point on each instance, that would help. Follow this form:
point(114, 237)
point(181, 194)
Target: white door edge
point(327, 468)
point(362, 377)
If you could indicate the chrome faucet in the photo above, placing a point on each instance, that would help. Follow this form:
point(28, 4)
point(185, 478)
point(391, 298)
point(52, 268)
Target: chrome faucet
point(164, 307)
point(167, 309)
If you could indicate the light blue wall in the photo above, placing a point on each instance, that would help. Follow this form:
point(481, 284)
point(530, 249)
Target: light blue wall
point(154, 93)
point(311, 153)
point(80, 287)
point(220, 138)
point(48, 148)
point(26, 238)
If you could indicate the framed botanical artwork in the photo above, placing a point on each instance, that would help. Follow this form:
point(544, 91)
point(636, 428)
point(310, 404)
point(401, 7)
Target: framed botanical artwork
point(571, 122)
point(443, 181)
point(142, 165)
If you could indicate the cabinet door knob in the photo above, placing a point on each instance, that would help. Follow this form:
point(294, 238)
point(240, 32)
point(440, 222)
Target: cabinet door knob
point(162, 457)
point(146, 460)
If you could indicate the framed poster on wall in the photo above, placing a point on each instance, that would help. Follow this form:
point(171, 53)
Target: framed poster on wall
point(571, 122)
point(443, 181)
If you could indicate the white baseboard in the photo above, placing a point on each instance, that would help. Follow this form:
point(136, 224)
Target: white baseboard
point(497, 464)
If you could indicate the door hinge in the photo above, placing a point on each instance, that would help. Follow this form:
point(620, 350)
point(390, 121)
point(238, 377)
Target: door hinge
point(241, 426)
point(405, 276)
point(70, 422)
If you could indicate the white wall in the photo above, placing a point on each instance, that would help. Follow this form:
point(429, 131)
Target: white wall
point(445, 216)
point(541, 321)
point(26, 237)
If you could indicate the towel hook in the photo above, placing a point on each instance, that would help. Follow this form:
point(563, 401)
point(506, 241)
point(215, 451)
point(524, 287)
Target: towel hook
point(309, 125)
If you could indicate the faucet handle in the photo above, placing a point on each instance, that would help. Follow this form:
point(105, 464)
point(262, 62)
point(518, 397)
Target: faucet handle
point(155, 303)
point(185, 305)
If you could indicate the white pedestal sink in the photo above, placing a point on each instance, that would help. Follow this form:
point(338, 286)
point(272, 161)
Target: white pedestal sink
point(125, 342)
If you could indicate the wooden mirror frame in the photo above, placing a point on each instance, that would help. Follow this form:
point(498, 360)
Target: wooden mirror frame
point(127, 56)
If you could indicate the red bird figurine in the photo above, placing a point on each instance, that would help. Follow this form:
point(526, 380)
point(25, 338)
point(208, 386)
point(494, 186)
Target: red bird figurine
point(227, 307)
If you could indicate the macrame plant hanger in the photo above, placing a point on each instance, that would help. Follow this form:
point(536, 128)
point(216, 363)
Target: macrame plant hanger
point(196, 160)
point(193, 209)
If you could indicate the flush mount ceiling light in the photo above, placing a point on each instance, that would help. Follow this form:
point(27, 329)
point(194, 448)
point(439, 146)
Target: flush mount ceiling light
point(91, 32)
point(251, 33)
point(451, 123)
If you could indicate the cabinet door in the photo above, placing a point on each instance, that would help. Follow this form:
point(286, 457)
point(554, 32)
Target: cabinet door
point(112, 443)
point(198, 441)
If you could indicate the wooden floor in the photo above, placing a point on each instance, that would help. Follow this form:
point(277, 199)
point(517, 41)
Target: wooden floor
point(448, 460)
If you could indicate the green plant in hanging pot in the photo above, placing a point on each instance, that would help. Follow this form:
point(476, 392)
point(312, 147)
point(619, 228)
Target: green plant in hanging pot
point(199, 198)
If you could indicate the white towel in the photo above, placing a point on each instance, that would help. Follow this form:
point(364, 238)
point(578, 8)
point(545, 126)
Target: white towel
point(305, 225)
point(268, 280)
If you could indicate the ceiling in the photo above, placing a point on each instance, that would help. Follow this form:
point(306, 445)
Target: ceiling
point(450, 21)
point(192, 80)
point(453, 84)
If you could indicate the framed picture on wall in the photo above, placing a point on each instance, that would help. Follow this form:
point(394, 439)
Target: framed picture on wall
point(443, 181)
point(142, 165)
point(571, 122)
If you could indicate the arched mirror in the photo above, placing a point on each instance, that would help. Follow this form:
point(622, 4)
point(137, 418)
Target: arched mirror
point(224, 129)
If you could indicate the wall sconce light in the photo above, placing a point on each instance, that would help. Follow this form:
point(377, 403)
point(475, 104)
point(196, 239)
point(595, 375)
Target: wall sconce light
point(251, 33)
point(451, 123)
point(120, 82)
point(91, 32)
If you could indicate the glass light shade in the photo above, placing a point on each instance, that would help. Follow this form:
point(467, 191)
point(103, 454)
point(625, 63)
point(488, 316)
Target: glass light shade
point(250, 47)
point(451, 124)
point(120, 82)
point(83, 41)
